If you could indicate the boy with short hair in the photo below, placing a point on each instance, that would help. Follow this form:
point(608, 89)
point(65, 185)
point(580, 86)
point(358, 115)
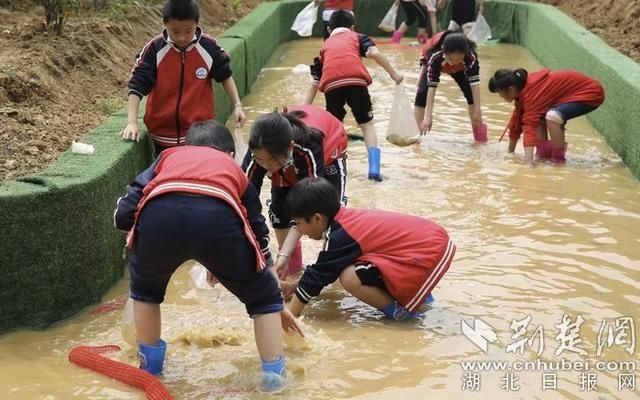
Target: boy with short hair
point(331, 6)
point(340, 73)
point(194, 202)
point(388, 260)
point(175, 70)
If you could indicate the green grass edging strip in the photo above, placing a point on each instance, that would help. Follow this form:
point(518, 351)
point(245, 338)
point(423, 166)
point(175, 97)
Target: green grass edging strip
point(60, 252)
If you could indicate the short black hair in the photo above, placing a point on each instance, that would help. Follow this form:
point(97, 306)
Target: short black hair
point(341, 19)
point(210, 133)
point(181, 10)
point(271, 132)
point(312, 196)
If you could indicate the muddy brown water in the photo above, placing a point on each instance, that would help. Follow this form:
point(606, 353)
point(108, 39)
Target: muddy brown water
point(536, 247)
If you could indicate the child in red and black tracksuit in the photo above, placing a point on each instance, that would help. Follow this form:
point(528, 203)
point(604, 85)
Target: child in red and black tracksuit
point(455, 55)
point(388, 260)
point(544, 101)
point(340, 73)
point(304, 141)
point(194, 202)
point(330, 6)
point(175, 70)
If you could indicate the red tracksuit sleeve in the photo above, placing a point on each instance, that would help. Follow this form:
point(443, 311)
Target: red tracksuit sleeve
point(514, 126)
point(340, 251)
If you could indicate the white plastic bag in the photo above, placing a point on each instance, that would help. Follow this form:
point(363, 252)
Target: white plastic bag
point(403, 129)
point(241, 146)
point(388, 23)
point(128, 324)
point(481, 30)
point(199, 277)
point(303, 24)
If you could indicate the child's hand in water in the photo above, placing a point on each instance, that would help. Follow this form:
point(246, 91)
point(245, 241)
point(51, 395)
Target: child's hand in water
point(290, 323)
point(425, 125)
point(397, 78)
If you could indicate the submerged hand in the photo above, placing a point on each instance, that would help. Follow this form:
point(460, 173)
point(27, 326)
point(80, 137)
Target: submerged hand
point(425, 125)
point(290, 323)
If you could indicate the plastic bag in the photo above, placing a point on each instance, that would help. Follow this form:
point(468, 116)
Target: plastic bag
point(403, 129)
point(388, 23)
point(303, 24)
point(128, 324)
point(481, 30)
point(199, 277)
point(241, 146)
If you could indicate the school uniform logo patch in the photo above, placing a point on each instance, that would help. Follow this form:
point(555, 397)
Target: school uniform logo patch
point(201, 73)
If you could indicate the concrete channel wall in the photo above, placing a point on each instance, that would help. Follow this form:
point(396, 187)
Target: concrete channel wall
point(59, 252)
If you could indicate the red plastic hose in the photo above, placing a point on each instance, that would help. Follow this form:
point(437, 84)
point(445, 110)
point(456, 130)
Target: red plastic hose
point(91, 358)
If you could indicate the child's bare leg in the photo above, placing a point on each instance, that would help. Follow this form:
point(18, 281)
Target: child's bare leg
point(541, 131)
point(556, 132)
point(151, 349)
point(372, 295)
point(268, 332)
point(147, 318)
point(558, 144)
point(373, 152)
point(403, 28)
point(369, 133)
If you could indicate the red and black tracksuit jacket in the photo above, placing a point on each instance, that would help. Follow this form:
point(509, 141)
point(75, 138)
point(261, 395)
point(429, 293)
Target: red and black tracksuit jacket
point(178, 84)
point(411, 253)
point(197, 170)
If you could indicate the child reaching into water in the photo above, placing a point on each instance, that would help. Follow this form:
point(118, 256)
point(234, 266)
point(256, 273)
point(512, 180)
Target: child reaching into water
point(455, 55)
point(194, 202)
point(303, 141)
point(388, 260)
point(544, 101)
point(340, 73)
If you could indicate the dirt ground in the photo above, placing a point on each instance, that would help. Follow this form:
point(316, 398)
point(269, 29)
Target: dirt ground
point(55, 89)
point(617, 22)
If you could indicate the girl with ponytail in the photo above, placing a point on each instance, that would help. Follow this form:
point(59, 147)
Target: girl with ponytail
point(455, 55)
point(303, 141)
point(544, 101)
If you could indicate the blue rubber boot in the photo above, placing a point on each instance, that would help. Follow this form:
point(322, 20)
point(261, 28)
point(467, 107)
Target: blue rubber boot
point(274, 373)
point(374, 163)
point(152, 357)
point(397, 312)
point(429, 299)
